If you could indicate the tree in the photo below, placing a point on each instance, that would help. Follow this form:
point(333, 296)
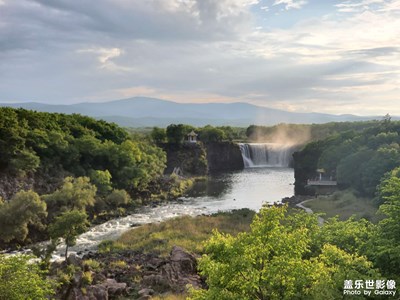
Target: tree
point(20, 278)
point(25, 161)
point(351, 235)
point(211, 134)
point(384, 160)
point(175, 133)
point(158, 135)
point(75, 193)
point(349, 168)
point(102, 180)
point(385, 248)
point(68, 226)
point(12, 135)
point(24, 209)
point(274, 261)
point(118, 197)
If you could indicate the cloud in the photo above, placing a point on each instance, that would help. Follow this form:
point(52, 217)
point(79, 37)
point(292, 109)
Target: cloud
point(291, 4)
point(105, 57)
point(352, 6)
point(202, 50)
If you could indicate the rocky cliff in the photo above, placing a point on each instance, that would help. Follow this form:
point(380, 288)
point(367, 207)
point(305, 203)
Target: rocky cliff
point(199, 159)
point(189, 157)
point(224, 156)
point(305, 163)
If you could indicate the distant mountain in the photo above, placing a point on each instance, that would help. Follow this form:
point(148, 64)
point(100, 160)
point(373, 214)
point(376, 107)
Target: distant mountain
point(142, 111)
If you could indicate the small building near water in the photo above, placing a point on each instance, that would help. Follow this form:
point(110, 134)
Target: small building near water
point(192, 137)
point(322, 185)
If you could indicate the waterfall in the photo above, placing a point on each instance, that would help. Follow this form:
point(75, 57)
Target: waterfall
point(266, 155)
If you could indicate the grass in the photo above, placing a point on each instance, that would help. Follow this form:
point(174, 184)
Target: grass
point(187, 232)
point(344, 204)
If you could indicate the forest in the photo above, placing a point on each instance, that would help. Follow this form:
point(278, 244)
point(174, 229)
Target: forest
point(62, 173)
point(68, 169)
point(357, 159)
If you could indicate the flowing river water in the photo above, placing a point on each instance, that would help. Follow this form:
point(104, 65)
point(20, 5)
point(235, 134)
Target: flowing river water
point(265, 179)
point(259, 183)
point(250, 188)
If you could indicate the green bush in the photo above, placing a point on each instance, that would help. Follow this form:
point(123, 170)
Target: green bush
point(21, 278)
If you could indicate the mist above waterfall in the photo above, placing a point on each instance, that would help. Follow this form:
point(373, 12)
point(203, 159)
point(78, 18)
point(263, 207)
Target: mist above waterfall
point(283, 134)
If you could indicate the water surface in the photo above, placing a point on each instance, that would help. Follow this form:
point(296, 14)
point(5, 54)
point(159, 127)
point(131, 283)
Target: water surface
point(250, 188)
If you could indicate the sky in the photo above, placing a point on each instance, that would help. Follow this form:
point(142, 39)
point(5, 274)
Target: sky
point(326, 56)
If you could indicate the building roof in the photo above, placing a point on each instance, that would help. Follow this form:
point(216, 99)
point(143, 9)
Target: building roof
point(192, 133)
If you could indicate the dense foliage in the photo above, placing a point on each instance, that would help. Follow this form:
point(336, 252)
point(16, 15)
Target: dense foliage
point(25, 209)
point(289, 256)
point(43, 143)
point(385, 245)
point(22, 279)
point(358, 159)
point(177, 133)
point(69, 162)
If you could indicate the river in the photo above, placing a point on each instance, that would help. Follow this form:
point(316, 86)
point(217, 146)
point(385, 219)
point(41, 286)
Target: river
point(249, 188)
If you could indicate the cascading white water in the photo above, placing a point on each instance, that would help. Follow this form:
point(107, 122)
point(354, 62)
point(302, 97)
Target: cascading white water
point(266, 154)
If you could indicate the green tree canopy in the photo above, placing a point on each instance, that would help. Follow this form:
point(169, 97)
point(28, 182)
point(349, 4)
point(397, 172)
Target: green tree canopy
point(211, 134)
point(275, 261)
point(118, 197)
point(177, 133)
point(159, 135)
point(21, 278)
point(68, 226)
point(385, 245)
point(102, 181)
point(75, 193)
point(24, 209)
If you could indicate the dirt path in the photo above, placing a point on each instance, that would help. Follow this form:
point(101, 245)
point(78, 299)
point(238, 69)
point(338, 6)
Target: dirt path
point(309, 210)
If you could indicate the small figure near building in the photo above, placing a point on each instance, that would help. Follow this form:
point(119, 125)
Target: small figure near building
point(192, 137)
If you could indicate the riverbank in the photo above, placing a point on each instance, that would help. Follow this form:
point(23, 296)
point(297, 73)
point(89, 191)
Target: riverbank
point(186, 231)
point(156, 259)
point(343, 204)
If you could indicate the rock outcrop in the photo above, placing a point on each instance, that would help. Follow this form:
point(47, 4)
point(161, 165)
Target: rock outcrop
point(129, 274)
point(189, 157)
point(224, 156)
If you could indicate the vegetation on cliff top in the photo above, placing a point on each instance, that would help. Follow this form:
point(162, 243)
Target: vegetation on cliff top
point(357, 159)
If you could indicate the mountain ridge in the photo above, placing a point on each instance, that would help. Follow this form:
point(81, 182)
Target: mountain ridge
point(145, 111)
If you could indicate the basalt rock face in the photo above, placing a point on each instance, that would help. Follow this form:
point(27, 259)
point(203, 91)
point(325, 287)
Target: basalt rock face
point(10, 184)
point(189, 157)
point(199, 159)
point(305, 166)
point(130, 274)
point(224, 156)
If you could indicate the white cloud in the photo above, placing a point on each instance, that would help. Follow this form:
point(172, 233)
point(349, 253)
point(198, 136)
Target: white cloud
point(201, 50)
point(291, 4)
point(105, 58)
point(352, 6)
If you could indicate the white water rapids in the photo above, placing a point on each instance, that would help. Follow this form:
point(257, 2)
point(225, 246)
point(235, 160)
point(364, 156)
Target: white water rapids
point(249, 188)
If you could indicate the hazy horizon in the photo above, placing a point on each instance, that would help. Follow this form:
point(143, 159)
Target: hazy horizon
point(144, 97)
point(340, 57)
